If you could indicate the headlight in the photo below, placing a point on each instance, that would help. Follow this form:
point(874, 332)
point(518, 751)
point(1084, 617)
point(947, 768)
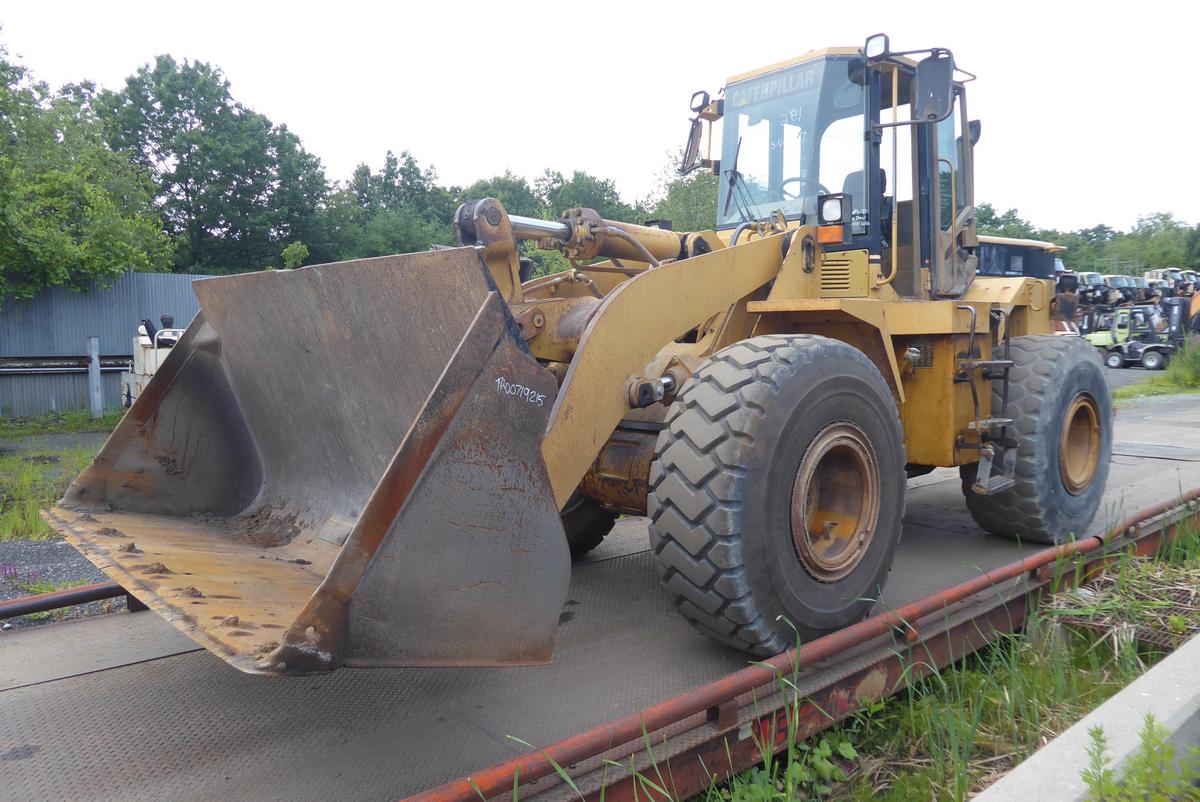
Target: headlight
point(876, 46)
point(831, 210)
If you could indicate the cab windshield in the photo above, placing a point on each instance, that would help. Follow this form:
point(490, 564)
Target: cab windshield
point(1118, 281)
point(1094, 278)
point(790, 136)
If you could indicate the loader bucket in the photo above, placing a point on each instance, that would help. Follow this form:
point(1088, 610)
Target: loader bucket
point(338, 465)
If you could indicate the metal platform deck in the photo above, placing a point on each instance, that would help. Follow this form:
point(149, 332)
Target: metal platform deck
point(125, 708)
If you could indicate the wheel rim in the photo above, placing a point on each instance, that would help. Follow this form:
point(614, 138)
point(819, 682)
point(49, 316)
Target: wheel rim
point(1079, 447)
point(835, 502)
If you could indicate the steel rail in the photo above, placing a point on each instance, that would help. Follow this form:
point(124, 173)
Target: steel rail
point(498, 779)
point(44, 602)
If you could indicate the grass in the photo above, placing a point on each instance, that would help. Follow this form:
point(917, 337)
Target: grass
point(1142, 599)
point(33, 481)
point(954, 732)
point(33, 584)
point(1182, 375)
point(957, 730)
point(58, 422)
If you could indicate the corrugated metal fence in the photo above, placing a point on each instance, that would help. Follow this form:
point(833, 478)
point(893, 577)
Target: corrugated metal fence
point(58, 322)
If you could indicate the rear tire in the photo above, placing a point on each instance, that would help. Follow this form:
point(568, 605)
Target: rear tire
point(1062, 422)
point(777, 491)
point(1115, 359)
point(586, 524)
point(1153, 360)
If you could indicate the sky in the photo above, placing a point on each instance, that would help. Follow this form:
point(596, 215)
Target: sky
point(1087, 112)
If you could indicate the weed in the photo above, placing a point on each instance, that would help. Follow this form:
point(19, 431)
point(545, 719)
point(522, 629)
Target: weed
point(1152, 600)
point(956, 730)
point(31, 482)
point(1182, 375)
point(33, 584)
point(1154, 771)
point(58, 422)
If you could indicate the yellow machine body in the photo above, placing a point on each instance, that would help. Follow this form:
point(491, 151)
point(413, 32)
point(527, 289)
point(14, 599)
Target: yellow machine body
point(389, 493)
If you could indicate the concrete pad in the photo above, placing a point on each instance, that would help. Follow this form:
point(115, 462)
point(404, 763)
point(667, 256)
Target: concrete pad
point(1168, 691)
point(68, 649)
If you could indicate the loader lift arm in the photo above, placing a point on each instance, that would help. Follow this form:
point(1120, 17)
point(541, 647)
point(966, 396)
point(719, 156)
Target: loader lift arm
point(631, 325)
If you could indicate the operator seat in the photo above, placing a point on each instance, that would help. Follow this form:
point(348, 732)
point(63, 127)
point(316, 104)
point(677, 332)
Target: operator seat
point(854, 185)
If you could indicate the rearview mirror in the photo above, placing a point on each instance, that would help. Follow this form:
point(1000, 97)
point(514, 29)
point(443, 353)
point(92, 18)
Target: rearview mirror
point(934, 91)
point(974, 128)
point(691, 151)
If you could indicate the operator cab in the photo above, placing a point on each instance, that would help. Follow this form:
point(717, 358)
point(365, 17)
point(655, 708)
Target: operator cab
point(834, 139)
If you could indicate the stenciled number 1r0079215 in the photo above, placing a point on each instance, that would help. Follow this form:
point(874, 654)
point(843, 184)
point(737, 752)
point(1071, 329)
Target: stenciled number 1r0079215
point(503, 385)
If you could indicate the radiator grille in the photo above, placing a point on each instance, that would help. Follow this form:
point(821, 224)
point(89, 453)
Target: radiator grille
point(835, 276)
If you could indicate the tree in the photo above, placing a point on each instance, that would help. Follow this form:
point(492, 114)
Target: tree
point(1009, 224)
point(582, 190)
point(511, 190)
point(399, 209)
point(233, 187)
point(689, 202)
point(1156, 240)
point(71, 211)
point(294, 255)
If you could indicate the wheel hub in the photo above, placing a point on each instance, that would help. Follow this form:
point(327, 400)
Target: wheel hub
point(835, 502)
point(1079, 446)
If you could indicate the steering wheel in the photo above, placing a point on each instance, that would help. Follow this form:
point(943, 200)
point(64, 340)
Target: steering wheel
point(803, 182)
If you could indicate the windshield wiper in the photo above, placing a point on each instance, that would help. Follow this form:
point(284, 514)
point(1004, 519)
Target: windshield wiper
point(744, 199)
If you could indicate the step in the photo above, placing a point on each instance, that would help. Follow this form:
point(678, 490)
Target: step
point(988, 423)
point(975, 364)
point(996, 483)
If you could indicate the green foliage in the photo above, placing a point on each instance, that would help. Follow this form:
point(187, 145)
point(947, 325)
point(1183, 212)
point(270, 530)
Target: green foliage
point(583, 191)
point(1183, 370)
point(31, 482)
point(36, 585)
point(58, 422)
point(1008, 224)
point(513, 191)
point(399, 209)
point(294, 255)
point(1182, 375)
point(1154, 771)
point(71, 211)
point(950, 732)
point(232, 186)
point(171, 171)
point(689, 202)
point(1157, 240)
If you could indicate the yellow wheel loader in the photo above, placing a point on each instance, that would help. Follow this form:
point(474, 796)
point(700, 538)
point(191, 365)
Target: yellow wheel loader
point(402, 482)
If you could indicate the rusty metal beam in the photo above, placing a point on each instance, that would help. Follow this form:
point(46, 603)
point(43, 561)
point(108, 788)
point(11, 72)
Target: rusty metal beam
point(44, 602)
point(739, 747)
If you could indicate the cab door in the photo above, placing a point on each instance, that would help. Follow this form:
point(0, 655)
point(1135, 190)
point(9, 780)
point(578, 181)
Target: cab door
point(952, 201)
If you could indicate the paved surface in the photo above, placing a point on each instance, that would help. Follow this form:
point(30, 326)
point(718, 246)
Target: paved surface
point(193, 728)
point(1121, 377)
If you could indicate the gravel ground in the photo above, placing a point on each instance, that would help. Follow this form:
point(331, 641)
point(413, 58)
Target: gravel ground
point(52, 561)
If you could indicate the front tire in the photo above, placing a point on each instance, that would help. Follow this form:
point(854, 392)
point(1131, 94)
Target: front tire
point(777, 491)
point(1153, 360)
point(586, 524)
point(1115, 359)
point(1062, 422)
